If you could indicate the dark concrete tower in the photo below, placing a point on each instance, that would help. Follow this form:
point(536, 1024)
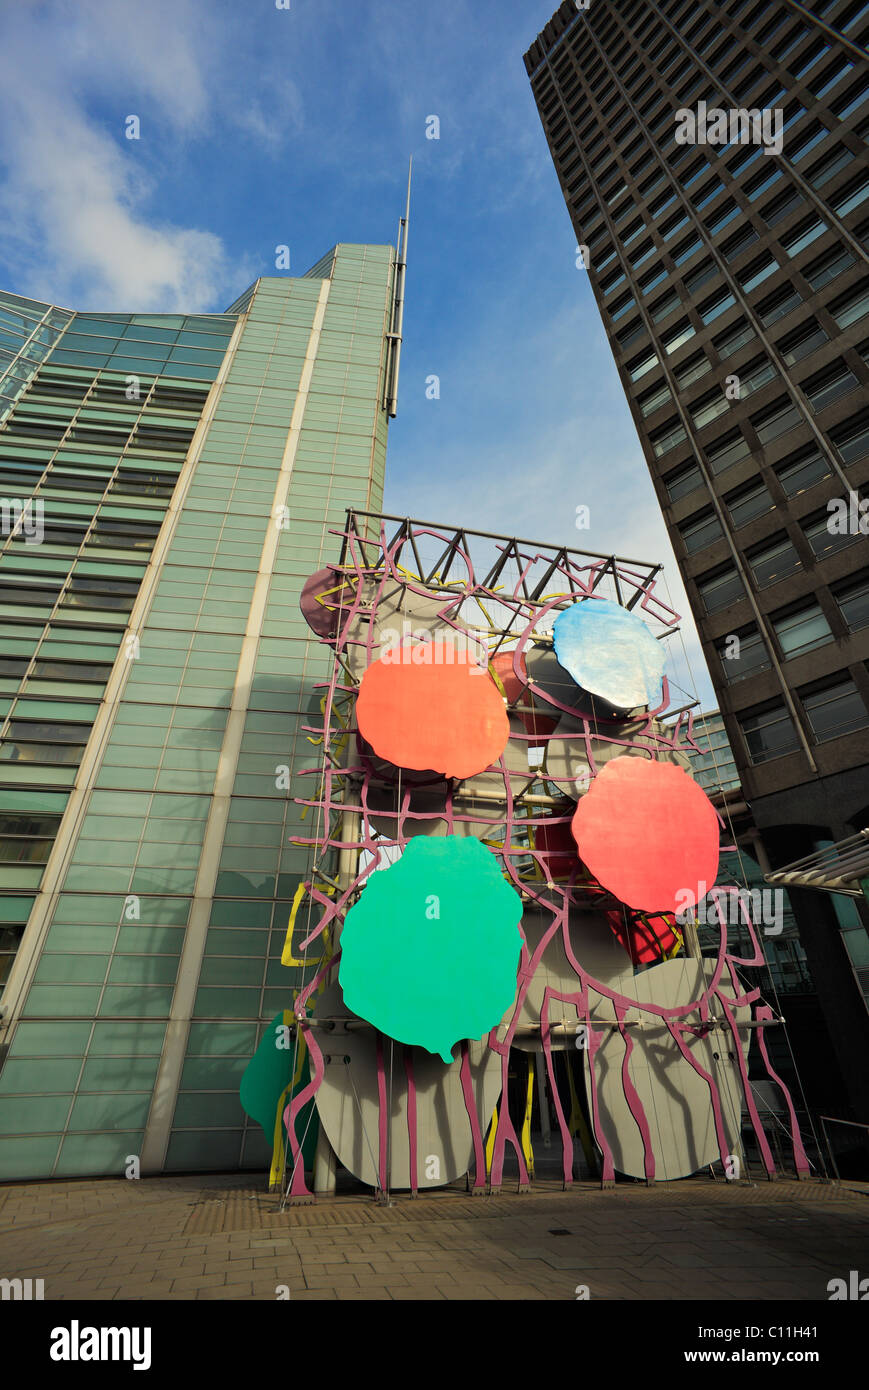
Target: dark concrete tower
point(713, 162)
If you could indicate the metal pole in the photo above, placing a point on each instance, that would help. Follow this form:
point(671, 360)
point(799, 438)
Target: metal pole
point(829, 1148)
point(541, 1095)
point(325, 1166)
point(398, 307)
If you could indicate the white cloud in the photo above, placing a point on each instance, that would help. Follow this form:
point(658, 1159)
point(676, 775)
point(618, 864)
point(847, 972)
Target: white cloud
point(273, 115)
point(75, 199)
point(78, 208)
point(159, 51)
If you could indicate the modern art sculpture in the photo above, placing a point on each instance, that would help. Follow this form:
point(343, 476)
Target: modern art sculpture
point(503, 827)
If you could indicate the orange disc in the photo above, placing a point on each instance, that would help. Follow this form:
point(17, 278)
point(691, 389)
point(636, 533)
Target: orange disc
point(446, 717)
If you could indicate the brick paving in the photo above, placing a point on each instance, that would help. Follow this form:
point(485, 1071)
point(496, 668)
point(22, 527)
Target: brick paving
point(219, 1237)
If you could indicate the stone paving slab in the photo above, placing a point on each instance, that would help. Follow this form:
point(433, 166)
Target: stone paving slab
point(213, 1237)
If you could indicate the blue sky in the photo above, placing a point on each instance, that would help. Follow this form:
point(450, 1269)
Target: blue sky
point(262, 127)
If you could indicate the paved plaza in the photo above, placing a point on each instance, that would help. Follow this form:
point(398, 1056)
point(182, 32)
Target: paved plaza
point(223, 1237)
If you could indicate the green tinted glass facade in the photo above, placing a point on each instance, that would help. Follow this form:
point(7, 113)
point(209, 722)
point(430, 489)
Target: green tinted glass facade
point(28, 332)
point(154, 701)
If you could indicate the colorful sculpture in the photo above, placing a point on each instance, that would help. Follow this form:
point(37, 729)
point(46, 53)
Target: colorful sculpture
point(496, 862)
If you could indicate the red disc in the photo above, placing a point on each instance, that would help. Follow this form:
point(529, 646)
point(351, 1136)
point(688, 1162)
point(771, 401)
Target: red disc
point(646, 939)
point(649, 834)
point(556, 849)
point(517, 692)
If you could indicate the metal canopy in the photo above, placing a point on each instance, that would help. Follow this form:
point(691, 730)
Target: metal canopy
point(837, 869)
point(362, 534)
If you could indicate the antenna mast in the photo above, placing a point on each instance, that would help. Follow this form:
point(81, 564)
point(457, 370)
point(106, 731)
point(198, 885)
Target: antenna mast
point(394, 334)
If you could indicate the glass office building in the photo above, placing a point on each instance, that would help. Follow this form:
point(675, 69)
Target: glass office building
point(714, 769)
point(168, 483)
point(731, 280)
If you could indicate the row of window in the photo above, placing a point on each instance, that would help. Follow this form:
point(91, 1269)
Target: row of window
point(19, 479)
point(831, 710)
point(774, 559)
point(832, 263)
point(664, 52)
point(169, 329)
point(798, 628)
point(162, 394)
point(625, 62)
point(795, 474)
point(588, 211)
point(758, 185)
point(115, 535)
point(89, 596)
point(87, 428)
point(821, 389)
point(776, 420)
point(40, 458)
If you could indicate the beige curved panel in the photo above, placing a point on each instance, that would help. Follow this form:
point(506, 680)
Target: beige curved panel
point(348, 1106)
point(567, 754)
point(596, 950)
point(676, 1100)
